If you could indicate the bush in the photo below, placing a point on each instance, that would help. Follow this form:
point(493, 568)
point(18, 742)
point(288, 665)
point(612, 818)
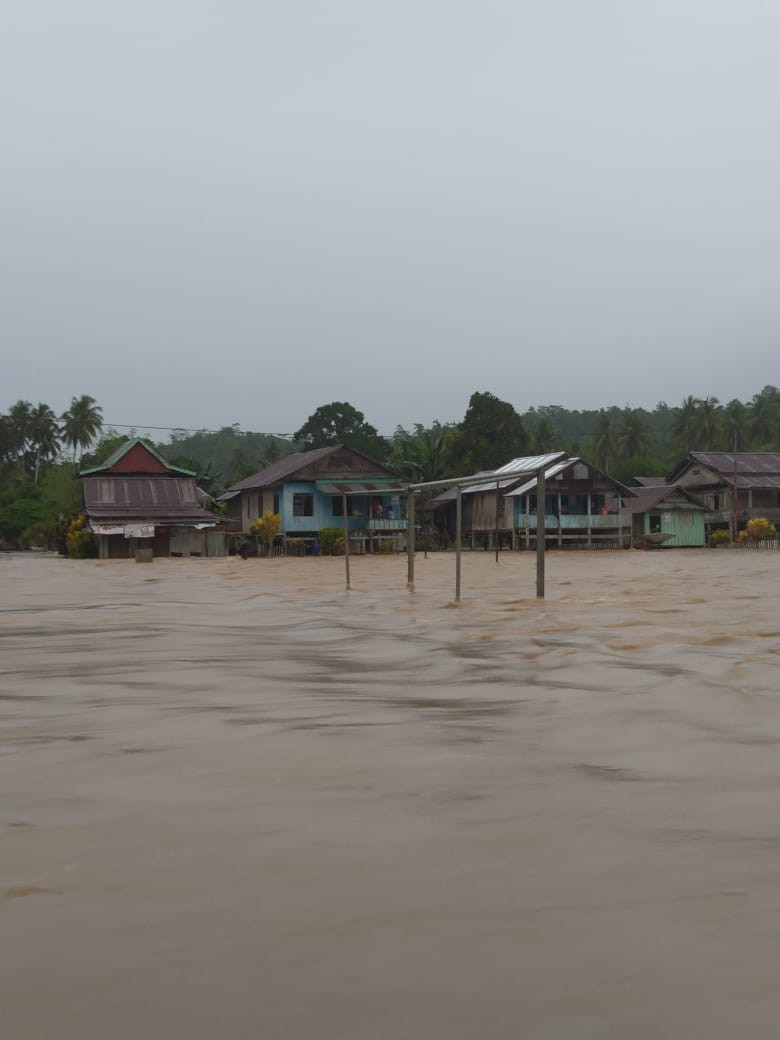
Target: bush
point(296, 547)
point(720, 536)
point(332, 541)
point(266, 528)
point(79, 540)
point(759, 529)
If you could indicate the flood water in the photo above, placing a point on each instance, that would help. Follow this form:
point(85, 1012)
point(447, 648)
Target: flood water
point(238, 801)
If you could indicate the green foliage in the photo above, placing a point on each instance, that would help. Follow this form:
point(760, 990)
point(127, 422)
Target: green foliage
point(296, 547)
point(331, 541)
point(81, 423)
point(341, 423)
point(420, 455)
point(491, 434)
point(223, 458)
point(720, 536)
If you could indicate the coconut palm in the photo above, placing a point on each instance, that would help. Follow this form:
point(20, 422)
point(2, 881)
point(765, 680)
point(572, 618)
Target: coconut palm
point(81, 423)
point(762, 423)
point(684, 425)
point(633, 434)
point(707, 421)
point(44, 435)
point(420, 456)
point(604, 440)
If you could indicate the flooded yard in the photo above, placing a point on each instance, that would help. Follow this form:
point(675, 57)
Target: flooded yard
point(239, 801)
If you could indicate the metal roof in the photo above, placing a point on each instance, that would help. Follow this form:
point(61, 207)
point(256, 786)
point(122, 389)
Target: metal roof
point(754, 469)
point(517, 467)
point(152, 498)
point(291, 464)
point(553, 471)
point(650, 481)
point(670, 495)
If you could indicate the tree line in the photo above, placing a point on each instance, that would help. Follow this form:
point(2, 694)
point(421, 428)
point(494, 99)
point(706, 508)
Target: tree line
point(40, 451)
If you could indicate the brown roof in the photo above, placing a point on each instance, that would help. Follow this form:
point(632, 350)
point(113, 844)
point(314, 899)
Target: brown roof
point(287, 467)
point(671, 495)
point(650, 481)
point(754, 469)
point(153, 498)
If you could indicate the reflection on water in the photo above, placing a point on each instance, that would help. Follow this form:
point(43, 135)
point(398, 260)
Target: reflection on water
point(240, 801)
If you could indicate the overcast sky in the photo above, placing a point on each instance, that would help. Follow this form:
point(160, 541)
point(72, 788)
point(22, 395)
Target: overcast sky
point(237, 210)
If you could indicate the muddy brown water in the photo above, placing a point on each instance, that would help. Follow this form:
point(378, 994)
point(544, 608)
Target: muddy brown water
point(237, 801)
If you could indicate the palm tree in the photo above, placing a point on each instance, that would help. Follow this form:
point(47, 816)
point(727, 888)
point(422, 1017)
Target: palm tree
point(684, 425)
point(421, 455)
point(763, 420)
point(633, 437)
point(44, 435)
point(81, 423)
point(707, 423)
point(734, 428)
point(604, 440)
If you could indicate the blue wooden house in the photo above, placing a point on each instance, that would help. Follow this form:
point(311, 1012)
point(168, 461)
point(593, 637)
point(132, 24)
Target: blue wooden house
point(310, 489)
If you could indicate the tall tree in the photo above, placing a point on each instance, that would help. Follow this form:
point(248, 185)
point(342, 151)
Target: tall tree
point(491, 434)
point(763, 421)
point(604, 440)
point(420, 455)
point(633, 434)
point(340, 423)
point(684, 425)
point(81, 423)
point(707, 423)
point(44, 435)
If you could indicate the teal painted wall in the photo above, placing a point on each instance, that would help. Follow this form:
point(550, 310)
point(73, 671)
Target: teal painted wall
point(323, 510)
point(687, 525)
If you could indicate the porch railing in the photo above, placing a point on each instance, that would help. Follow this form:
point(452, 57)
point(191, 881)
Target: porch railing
point(575, 522)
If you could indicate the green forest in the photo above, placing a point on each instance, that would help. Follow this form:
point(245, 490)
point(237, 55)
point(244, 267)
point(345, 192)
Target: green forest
point(41, 452)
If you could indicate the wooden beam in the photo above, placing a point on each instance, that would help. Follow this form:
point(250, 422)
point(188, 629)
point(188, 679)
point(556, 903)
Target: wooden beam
point(346, 537)
point(541, 489)
point(458, 532)
point(410, 541)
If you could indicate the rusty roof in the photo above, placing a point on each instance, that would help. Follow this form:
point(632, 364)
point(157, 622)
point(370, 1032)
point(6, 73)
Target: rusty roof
point(153, 498)
point(123, 450)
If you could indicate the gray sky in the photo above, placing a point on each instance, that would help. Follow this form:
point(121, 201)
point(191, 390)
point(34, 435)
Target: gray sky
point(235, 211)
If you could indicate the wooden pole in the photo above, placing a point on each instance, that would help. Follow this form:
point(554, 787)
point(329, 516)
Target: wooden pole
point(497, 493)
point(541, 490)
point(346, 537)
point(410, 541)
point(458, 531)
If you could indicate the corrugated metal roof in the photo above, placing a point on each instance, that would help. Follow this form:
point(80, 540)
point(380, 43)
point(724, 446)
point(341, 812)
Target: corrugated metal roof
point(754, 469)
point(156, 498)
point(519, 466)
point(650, 481)
point(672, 495)
point(553, 471)
point(291, 464)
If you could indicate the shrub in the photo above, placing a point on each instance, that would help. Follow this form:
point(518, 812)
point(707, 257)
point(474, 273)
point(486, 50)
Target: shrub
point(296, 547)
point(759, 529)
point(332, 541)
point(720, 536)
point(266, 528)
point(79, 539)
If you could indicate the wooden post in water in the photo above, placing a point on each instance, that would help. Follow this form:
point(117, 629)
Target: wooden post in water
point(410, 541)
point(458, 531)
point(346, 537)
point(541, 489)
point(497, 491)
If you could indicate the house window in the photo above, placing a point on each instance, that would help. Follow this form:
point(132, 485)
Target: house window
point(716, 502)
point(337, 504)
point(303, 503)
point(655, 523)
point(276, 502)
